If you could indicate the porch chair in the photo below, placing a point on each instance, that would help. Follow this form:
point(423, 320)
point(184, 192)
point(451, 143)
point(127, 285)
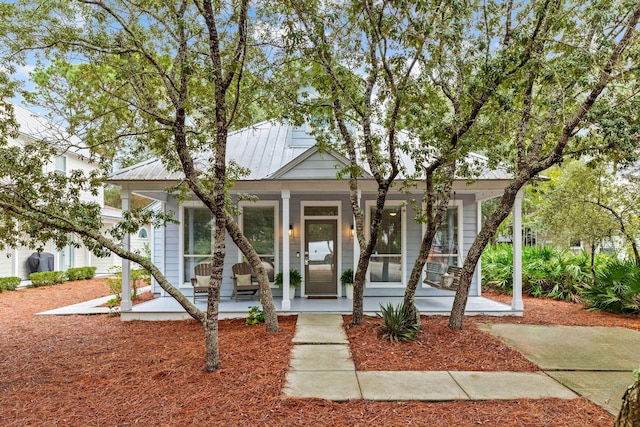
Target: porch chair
point(243, 283)
point(200, 281)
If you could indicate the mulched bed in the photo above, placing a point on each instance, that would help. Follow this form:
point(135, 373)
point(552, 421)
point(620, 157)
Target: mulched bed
point(437, 348)
point(97, 370)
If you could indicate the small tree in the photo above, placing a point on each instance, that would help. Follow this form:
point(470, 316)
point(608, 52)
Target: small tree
point(170, 76)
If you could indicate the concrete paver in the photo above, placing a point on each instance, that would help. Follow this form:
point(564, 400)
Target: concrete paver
point(510, 385)
point(573, 347)
point(320, 319)
point(406, 385)
point(603, 388)
point(317, 334)
point(321, 357)
point(332, 385)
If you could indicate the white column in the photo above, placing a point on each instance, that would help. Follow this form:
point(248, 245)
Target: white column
point(356, 246)
point(286, 298)
point(15, 268)
point(479, 227)
point(516, 302)
point(125, 304)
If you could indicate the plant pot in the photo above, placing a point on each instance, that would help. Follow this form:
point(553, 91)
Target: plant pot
point(349, 291)
point(292, 292)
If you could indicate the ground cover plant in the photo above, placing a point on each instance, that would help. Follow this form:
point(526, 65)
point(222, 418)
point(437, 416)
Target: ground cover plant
point(97, 370)
point(610, 285)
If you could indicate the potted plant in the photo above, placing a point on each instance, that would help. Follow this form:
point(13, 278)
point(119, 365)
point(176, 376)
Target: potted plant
point(295, 280)
point(346, 280)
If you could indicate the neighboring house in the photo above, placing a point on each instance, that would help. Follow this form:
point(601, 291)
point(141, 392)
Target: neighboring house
point(32, 127)
point(303, 220)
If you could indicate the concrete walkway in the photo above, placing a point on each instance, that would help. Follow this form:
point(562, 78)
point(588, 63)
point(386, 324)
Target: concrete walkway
point(321, 367)
point(595, 362)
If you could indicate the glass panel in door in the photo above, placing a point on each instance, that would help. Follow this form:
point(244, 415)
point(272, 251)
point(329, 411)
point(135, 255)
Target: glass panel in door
point(320, 256)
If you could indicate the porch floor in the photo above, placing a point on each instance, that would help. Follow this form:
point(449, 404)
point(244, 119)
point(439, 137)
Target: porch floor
point(167, 308)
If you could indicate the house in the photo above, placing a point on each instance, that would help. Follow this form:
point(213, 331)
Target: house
point(32, 127)
point(302, 219)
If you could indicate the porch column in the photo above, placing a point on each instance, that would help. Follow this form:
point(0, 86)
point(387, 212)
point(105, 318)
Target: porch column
point(478, 228)
point(516, 302)
point(125, 304)
point(286, 299)
point(15, 268)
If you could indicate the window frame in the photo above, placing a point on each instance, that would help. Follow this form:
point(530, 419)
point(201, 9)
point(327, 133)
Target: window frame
point(459, 204)
point(182, 216)
point(403, 246)
point(63, 160)
point(276, 227)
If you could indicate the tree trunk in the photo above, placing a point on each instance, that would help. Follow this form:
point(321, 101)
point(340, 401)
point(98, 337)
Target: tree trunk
point(433, 223)
point(365, 257)
point(475, 252)
point(212, 350)
point(629, 415)
point(266, 297)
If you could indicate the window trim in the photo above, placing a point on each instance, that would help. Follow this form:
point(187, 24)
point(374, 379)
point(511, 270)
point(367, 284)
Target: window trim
point(57, 170)
point(276, 227)
point(181, 218)
point(460, 205)
point(403, 247)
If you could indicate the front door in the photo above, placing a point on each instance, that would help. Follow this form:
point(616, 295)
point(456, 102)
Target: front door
point(321, 254)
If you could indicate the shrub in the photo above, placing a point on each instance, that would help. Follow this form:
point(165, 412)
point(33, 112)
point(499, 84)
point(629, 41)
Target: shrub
point(616, 288)
point(398, 323)
point(256, 315)
point(546, 271)
point(138, 278)
point(81, 273)
point(9, 283)
point(47, 278)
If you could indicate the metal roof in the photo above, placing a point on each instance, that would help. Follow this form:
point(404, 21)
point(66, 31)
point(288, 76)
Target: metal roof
point(40, 128)
point(266, 149)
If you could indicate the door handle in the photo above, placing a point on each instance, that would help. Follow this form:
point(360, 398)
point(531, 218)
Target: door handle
point(306, 258)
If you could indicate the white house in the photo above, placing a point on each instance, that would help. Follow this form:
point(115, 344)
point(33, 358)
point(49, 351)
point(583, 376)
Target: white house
point(303, 218)
point(32, 127)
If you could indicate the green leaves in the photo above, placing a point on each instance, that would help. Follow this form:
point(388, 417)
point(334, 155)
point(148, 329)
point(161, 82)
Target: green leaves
point(399, 323)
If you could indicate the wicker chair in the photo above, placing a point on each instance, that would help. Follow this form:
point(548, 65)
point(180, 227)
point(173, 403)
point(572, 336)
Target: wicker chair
point(200, 282)
point(243, 282)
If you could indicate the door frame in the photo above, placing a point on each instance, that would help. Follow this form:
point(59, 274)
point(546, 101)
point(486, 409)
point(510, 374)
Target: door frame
point(303, 237)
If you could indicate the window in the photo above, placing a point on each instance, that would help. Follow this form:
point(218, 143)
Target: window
point(445, 248)
point(142, 234)
point(198, 233)
point(60, 165)
point(387, 264)
point(259, 225)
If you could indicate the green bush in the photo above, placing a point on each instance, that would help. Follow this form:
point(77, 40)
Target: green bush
point(47, 278)
point(9, 283)
point(616, 288)
point(546, 271)
point(295, 279)
point(81, 273)
point(256, 315)
point(398, 323)
point(138, 276)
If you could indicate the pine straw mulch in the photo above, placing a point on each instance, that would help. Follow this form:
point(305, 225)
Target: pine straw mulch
point(97, 370)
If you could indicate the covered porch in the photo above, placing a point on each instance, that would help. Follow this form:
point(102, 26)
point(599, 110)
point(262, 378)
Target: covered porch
point(167, 308)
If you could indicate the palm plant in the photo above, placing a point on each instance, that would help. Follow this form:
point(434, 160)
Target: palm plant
point(616, 288)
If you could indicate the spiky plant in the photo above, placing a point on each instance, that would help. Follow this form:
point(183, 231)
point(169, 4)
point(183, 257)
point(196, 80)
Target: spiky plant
point(398, 323)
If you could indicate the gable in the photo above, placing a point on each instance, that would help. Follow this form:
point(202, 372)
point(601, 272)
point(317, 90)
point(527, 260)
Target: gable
point(313, 164)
